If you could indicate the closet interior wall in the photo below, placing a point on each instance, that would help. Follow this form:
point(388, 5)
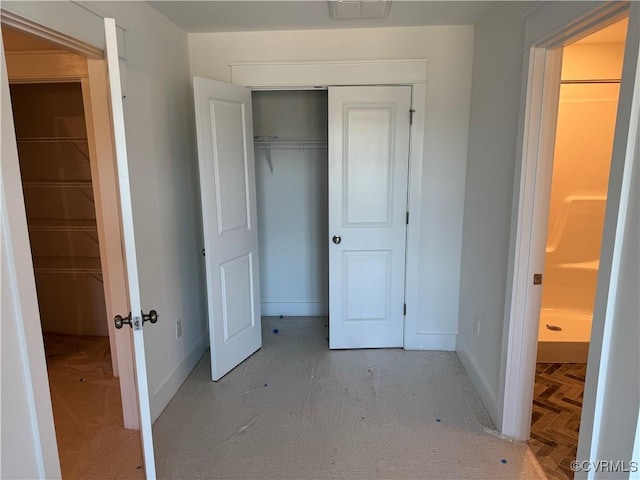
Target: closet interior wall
point(291, 129)
point(56, 174)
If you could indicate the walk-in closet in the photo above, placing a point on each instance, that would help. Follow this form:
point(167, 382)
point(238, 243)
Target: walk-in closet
point(57, 156)
point(56, 174)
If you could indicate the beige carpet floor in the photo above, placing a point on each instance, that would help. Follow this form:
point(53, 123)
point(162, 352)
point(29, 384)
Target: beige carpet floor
point(87, 411)
point(295, 409)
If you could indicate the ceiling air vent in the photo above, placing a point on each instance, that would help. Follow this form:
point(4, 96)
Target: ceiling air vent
point(352, 9)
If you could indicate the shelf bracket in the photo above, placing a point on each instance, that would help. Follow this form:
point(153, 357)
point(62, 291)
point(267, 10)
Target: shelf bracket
point(267, 152)
point(92, 238)
point(85, 156)
point(97, 277)
point(268, 143)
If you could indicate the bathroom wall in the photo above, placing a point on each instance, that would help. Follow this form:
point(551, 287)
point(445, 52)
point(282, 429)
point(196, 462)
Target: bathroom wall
point(584, 142)
point(292, 204)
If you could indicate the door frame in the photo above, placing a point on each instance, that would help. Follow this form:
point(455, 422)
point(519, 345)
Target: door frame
point(541, 85)
point(93, 81)
point(321, 75)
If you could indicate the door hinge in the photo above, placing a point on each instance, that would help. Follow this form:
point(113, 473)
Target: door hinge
point(411, 112)
point(405, 310)
point(407, 218)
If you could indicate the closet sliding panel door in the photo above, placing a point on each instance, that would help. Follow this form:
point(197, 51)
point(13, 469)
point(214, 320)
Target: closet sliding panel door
point(368, 168)
point(224, 126)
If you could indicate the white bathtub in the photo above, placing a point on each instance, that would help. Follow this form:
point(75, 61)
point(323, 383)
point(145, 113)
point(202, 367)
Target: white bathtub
point(571, 343)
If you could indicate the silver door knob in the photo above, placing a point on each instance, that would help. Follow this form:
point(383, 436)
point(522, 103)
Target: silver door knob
point(337, 239)
point(152, 317)
point(120, 321)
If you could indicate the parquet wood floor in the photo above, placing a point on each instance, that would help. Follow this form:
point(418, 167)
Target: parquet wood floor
point(555, 419)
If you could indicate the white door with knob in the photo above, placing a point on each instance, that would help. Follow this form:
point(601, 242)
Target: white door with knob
point(369, 130)
point(135, 319)
point(224, 127)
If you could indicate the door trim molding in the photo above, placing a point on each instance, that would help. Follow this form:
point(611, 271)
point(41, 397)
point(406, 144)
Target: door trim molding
point(45, 67)
point(413, 339)
point(521, 319)
point(302, 75)
point(543, 69)
point(24, 25)
point(287, 75)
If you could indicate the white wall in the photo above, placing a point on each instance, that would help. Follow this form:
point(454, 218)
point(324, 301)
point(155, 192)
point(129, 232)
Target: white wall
point(164, 175)
point(490, 208)
point(495, 102)
point(292, 204)
point(449, 50)
point(21, 456)
point(612, 387)
point(27, 442)
point(622, 375)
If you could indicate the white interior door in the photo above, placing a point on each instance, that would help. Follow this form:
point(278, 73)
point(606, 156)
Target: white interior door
point(368, 169)
point(129, 246)
point(224, 125)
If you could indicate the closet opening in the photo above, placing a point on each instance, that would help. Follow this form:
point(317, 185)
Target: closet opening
point(291, 156)
point(329, 236)
point(64, 150)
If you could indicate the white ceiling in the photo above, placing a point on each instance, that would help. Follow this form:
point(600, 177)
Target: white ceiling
point(241, 16)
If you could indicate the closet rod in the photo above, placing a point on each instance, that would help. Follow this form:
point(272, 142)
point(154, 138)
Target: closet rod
point(590, 81)
point(289, 143)
point(268, 143)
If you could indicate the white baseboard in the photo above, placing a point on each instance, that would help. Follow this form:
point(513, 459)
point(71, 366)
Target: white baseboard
point(444, 342)
point(295, 309)
point(165, 392)
point(478, 380)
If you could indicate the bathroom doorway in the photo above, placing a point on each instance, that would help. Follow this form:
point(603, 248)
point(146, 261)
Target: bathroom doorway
point(588, 104)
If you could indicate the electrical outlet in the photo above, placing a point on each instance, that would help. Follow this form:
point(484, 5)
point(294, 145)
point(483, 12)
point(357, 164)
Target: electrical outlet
point(179, 328)
point(477, 327)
